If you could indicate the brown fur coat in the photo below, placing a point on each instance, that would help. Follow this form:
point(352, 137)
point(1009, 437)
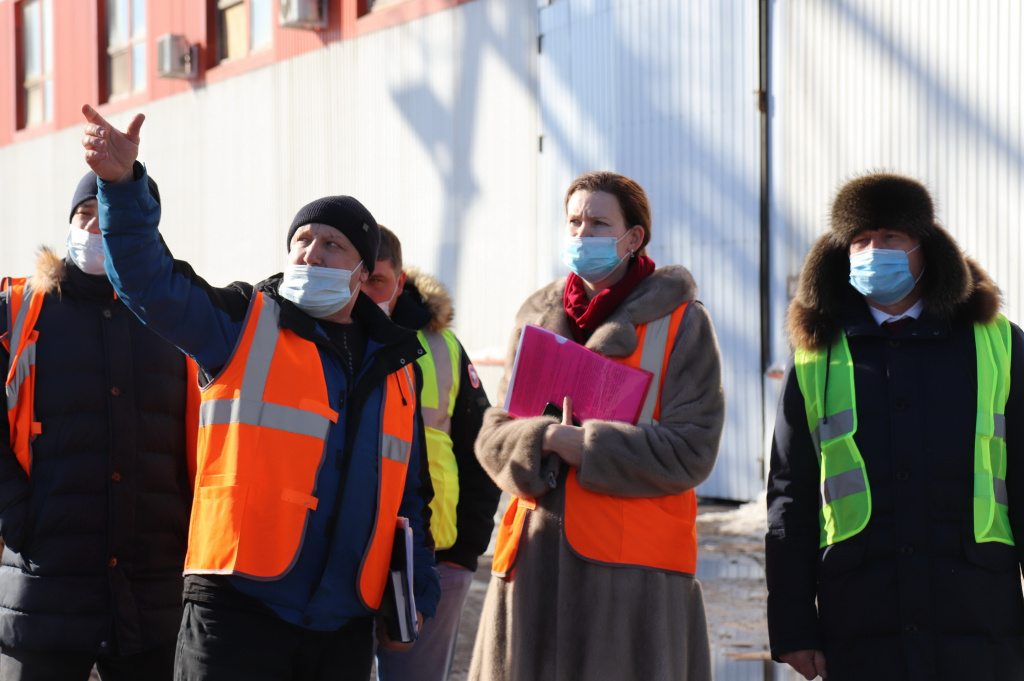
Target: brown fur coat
point(561, 618)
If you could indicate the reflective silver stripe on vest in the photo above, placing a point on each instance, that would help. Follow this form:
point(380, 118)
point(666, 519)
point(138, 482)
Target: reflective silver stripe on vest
point(835, 425)
point(438, 417)
point(1000, 426)
point(395, 448)
point(261, 352)
point(21, 372)
point(999, 491)
point(391, 446)
point(249, 408)
point(265, 414)
point(28, 356)
point(843, 485)
point(652, 358)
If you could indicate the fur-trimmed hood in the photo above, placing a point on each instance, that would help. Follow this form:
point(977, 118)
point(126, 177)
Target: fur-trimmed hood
point(49, 272)
point(62, 278)
point(953, 286)
point(435, 298)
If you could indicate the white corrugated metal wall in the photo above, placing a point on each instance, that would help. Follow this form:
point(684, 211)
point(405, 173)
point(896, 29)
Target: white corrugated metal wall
point(664, 92)
point(435, 124)
point(935, 93)
point(431, 124)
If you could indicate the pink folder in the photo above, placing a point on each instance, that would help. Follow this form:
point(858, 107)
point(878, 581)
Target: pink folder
point(549, 367)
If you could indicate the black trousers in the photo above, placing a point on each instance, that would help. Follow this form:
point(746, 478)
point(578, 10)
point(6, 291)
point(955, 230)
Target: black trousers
point(220, 643)
point(57, 665)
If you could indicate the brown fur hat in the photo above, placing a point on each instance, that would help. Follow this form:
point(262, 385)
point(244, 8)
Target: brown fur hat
point(952, 285)
point(882, 201)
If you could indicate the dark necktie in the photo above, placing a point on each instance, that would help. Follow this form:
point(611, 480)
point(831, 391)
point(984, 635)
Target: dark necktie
point(894, 327)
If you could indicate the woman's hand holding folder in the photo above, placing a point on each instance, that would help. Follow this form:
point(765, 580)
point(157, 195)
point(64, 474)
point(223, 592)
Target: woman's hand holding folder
point(565, 439)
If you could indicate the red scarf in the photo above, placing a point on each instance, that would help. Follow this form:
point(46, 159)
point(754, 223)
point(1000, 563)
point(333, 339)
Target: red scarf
point(586, 315)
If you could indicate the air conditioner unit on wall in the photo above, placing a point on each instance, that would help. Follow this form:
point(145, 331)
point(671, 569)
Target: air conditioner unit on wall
point(175, 58)
point(309, 14)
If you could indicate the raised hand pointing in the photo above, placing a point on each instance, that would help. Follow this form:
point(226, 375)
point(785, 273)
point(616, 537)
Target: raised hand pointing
point(109, 152)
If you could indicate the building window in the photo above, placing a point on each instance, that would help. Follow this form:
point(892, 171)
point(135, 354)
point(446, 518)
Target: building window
point(37, 61)
point(243, 26)
point(372, 5)
point(260, 23)
point(126, 46)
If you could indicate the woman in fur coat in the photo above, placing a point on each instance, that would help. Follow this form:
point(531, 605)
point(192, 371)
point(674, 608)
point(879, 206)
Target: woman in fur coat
point(600, 583)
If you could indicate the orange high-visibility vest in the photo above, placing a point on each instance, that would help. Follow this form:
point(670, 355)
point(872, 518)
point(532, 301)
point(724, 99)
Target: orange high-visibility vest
point(263, 425)
point(648, 532)
point(20, 343)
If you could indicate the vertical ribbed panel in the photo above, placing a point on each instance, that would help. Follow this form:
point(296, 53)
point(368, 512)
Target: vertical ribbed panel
point(663, 91)
point(865, 85)
point(431, 124)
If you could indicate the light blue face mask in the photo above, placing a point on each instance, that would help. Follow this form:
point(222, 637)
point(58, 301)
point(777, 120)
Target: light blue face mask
point(882, 275)
point(592, 258)
point(317, 291)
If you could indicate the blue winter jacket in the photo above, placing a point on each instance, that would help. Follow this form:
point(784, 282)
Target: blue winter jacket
point(320, 591)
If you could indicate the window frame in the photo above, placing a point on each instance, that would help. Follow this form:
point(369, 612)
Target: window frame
point(127, 48)
point(218, 9)
point(43, 81)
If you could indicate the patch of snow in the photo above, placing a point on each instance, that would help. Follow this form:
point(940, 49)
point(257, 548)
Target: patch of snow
point(750, 519)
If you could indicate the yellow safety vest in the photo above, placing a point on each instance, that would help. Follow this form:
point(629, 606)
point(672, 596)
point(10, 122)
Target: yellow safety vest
point(440, 367)
point(845, 495)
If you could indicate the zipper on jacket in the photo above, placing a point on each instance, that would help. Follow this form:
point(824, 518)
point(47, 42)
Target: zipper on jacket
point(353, 419)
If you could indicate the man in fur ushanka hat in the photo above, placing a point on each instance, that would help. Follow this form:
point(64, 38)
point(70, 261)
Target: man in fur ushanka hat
point(896, 488)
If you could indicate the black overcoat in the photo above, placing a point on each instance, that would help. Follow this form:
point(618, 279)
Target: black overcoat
point(95, 541)
point(913, 596)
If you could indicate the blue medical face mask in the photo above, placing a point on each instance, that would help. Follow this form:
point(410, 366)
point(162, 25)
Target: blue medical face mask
point(317, 291)
point(592, 258)
point(882, 275)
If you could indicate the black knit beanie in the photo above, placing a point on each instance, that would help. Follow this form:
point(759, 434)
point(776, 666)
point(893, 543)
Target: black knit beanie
point(349, 217)
point(87, 190)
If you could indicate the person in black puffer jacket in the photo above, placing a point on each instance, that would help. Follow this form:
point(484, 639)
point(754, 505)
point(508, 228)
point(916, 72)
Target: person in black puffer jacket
point(94, 510)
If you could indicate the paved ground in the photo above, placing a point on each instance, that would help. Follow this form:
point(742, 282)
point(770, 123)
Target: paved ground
point(731, 570)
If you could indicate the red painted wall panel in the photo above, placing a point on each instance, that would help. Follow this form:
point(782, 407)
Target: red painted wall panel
point(8, 83)
point(76, 59)
point(80, 52)
point(187, 18)
point(291, 42)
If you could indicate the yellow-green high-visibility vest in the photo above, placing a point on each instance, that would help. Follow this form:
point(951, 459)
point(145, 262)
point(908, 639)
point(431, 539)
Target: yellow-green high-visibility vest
point(440, 366)
point(845, 495)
